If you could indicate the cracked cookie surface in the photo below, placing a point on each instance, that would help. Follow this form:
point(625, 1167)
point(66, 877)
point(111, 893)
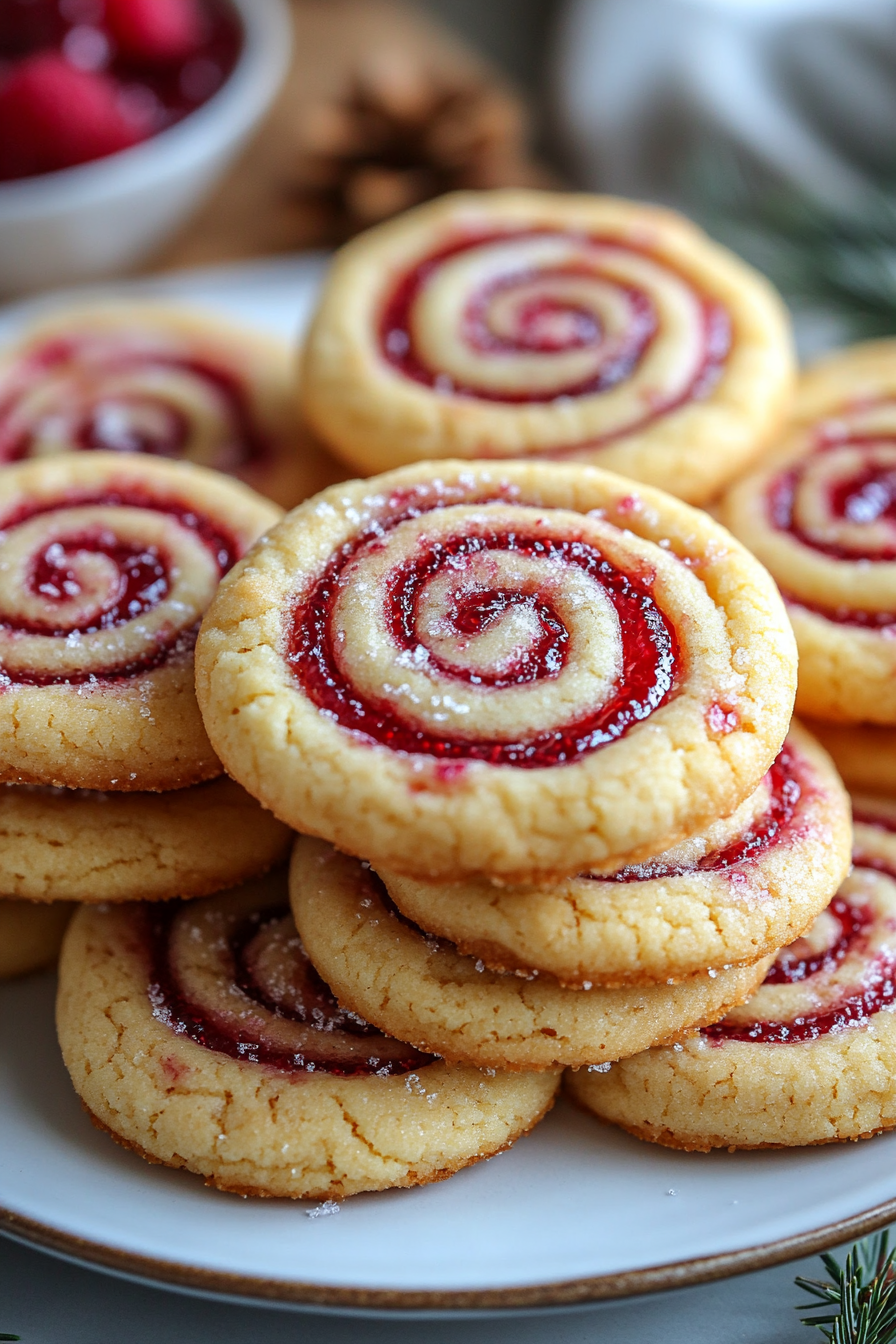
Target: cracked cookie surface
point(460, 669)
point(388, 970)
point(201, 1036)
point(727, 896)
point(76, 845)
point(809, 1059)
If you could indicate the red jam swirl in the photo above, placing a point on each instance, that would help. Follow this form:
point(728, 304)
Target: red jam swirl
point(866, 497)
point(173, 1006)
point(649, 647)
point(853, 1008)
point(143, 582)
point(136, 420)
point(144, 579)
point(546, 325)
point(853, 920)
point(769, 829)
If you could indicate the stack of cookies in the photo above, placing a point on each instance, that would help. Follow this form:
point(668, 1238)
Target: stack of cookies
point(112, 791)
point(530, 722)
point(169, 382)
point(531, 719)
point(811, 1058)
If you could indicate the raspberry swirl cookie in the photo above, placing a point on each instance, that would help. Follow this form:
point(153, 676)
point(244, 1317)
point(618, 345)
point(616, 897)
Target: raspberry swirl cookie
point(387, 969)
point(821, 515)
point(864, 754)
point(573, 328)
point(462, 669)
point(811, 1058)
point(78, 845)
point(30, 935)
point(146, 378)
point(106, 566)
point(727, 896)
point(201, 1036)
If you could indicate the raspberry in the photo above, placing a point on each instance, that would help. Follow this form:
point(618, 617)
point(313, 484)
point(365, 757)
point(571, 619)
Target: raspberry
point(54, 116)
point(152, 32)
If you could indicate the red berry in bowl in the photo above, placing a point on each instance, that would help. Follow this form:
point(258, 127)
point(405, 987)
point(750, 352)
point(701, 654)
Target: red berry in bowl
point(154, 32)
point(53, 116)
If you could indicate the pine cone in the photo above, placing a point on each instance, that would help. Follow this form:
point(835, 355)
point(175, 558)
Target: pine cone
point(405, 132)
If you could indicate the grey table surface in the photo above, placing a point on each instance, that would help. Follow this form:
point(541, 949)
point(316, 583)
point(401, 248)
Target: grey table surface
point(49, 1301)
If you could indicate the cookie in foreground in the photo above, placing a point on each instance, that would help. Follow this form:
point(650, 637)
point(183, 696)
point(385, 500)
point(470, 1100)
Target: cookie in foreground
point(810, 1059)
point(200, 1035)
point(548, 326)
point(459, 669)
point(384, 967)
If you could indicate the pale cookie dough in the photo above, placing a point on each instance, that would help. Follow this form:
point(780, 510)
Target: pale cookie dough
point(864, 753)
point(517, 671)
point(389, 971)
point(76, 845)
point(731, 894)
point(107, 563)
point(161, 379)
point(201, 1036)
point(811, 1058)
point(30, 935)
point(819, 515)
point(534, 324)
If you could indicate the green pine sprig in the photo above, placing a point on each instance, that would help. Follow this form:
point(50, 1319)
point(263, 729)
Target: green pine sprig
point(842, 259)
point(10, 1336)
point(858, 1304)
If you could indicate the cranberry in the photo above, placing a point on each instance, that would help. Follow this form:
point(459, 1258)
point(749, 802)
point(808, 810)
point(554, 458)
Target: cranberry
point(53, 116)
point(155, 31)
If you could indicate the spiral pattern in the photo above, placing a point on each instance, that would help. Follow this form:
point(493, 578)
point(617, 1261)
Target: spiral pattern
point(841, 498)
point(782, 789)
point(126, 390)
point(537, 315)
point(106, 584)
point(230, 973)
point(842, 971)
point(479, 629)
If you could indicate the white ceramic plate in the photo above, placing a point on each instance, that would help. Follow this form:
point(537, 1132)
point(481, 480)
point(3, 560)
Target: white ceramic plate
point(574, 1213)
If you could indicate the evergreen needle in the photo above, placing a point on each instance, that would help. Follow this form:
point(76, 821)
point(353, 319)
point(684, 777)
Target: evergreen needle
point(858, 1304)
point(842, 260)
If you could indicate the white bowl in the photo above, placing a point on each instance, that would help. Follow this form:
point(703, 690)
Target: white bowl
point(103, 217)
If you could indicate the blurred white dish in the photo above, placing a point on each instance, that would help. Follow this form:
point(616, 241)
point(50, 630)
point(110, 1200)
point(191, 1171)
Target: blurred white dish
point(99, 218)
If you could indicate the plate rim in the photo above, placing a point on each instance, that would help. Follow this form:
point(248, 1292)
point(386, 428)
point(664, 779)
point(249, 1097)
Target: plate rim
point(398, 1301)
